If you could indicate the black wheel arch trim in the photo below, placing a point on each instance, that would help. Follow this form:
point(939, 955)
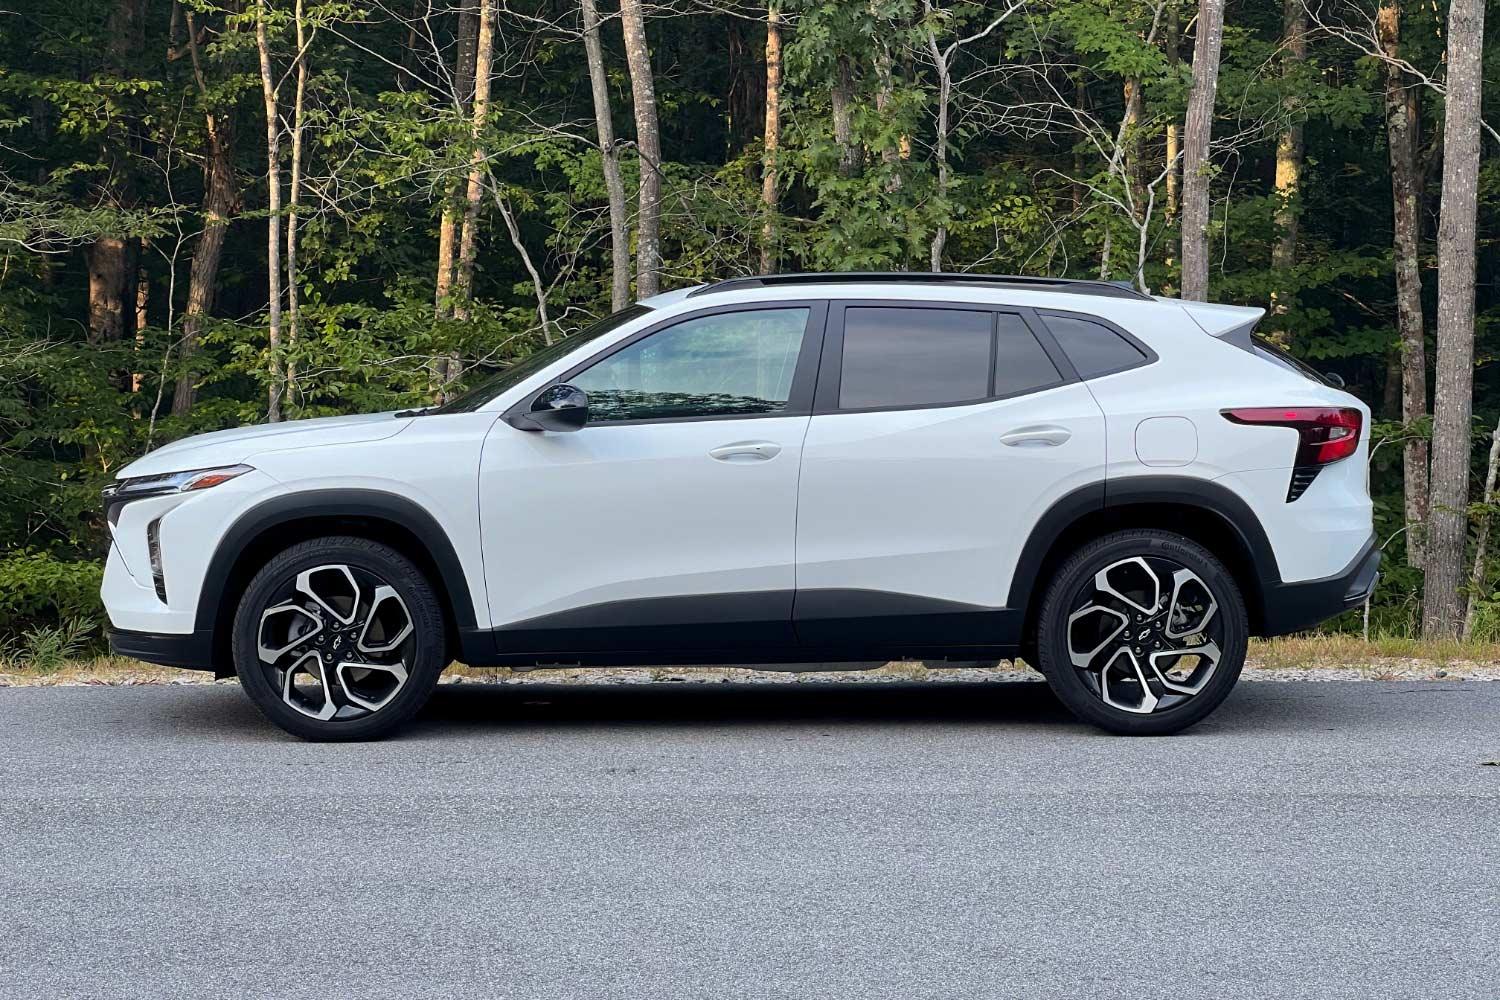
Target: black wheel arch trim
point(1202, 494)
point(334, 503)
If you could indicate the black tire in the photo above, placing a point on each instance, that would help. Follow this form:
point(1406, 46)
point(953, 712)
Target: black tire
point(343, 575)
point(1137, 667)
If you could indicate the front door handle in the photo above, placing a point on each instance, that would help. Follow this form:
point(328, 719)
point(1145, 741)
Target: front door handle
point(1040, 436)
point(746, 451)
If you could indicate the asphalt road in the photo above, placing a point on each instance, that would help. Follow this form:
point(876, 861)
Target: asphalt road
point(963, 840)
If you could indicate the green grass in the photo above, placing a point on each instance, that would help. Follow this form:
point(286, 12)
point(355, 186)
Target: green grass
point(1341, 649)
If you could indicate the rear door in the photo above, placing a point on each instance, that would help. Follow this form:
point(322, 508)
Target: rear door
point(940, 434)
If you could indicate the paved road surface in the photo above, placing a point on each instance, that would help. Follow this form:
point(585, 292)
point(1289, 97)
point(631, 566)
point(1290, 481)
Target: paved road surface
point(964, 840)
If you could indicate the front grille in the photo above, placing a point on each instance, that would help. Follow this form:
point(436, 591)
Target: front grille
point(1302, 478)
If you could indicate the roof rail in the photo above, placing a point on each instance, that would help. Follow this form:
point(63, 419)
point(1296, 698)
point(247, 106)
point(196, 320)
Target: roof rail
point(1076, 286)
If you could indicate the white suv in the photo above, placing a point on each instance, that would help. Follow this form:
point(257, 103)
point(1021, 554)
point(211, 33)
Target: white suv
point(797, 469)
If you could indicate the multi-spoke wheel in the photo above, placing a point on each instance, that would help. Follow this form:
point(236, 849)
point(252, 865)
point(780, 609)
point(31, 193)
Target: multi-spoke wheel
point(339, 638)
point(1142, 632)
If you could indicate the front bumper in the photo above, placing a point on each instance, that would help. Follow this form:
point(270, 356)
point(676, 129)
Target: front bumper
point(193, 650)
point(1293, 607)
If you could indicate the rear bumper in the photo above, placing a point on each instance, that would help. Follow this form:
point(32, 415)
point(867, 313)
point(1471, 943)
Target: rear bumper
point(193, 650)
point(1292, 607)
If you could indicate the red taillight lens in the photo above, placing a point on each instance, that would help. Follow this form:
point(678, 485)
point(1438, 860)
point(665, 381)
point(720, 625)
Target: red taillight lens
point(1326, 434)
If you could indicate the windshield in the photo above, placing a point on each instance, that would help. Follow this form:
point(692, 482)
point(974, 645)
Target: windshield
point(514, 374)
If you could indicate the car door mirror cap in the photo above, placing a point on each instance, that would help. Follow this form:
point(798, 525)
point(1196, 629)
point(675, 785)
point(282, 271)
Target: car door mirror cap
point(560, 408)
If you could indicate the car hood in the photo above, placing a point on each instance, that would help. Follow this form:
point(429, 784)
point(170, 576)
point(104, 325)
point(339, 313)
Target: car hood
point(238, 444)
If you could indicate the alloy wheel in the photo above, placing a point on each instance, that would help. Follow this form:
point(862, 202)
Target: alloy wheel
point(335, 642)
point(1145, 633)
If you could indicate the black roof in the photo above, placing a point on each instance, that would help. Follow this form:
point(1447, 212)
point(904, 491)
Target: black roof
point(1075, 286)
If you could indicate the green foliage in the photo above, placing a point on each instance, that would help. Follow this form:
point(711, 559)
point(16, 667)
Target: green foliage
point(38, 589)
point(46, 648)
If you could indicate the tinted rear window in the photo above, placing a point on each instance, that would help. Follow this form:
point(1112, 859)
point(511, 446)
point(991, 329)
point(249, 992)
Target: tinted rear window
point(1093, 348)
point(911, 357)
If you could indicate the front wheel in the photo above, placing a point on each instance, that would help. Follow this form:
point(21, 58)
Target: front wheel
point(1142, 632)
point(339, 638)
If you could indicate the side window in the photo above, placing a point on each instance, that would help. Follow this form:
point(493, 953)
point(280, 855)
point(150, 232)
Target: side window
point(1020, 363)
point(726, 364)
point(1093, 348)
point(895, 356)
point(907, 357)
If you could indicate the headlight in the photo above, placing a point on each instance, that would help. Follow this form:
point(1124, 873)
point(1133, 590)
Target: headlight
point(171, 482)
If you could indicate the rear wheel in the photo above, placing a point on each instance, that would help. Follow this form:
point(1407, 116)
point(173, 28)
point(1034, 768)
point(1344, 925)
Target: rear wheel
point(1142, 632)
point(339, 638)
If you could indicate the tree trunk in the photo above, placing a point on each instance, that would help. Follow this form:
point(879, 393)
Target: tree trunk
point(614, 185)
point(294, 193)
point(1125, 164)
point(1289, 148)
point(1197, 131)
point(112, 263)
point(112, 259)
point(467, 42)
point(842, 100)
point(537, 284)
point(1403, 131)
point(885, 93)
point(463, 97)
point(273, 205)
point(468, 240)
point(218, 204)
point(1174, 173)
point(142, 320)
point(940, 144)
point(1390, 388)
point(772, 141)
point(1135, 111)
point(1442, 613)
point(203, 278)
point(1080, 103)
point(1481, 546)
point(648, 144)
point(744, 96)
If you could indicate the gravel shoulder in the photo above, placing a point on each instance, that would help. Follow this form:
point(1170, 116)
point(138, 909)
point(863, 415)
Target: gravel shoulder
point(1319, 659)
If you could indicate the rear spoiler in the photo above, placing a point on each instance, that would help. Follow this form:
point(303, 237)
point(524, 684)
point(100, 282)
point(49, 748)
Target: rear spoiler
point(1231, 324)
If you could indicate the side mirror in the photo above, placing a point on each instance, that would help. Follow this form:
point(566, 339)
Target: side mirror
point(558, 408)
point(1334, 379)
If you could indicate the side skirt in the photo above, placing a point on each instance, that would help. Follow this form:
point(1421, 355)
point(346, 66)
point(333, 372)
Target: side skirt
point(811, 630)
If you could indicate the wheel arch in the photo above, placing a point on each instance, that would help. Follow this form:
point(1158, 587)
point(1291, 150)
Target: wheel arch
point(1204, 511)
point(272, 526)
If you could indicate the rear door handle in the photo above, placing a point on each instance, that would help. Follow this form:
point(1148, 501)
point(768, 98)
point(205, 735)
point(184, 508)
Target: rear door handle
point(1041, 436)
point(746, 451)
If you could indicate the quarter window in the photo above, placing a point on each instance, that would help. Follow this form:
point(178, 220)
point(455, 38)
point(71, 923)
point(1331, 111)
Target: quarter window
point(1020, 363)
point(1093, 348)
point(726, 364)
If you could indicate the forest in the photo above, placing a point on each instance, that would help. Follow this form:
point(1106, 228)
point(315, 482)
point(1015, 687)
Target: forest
point(217, 212)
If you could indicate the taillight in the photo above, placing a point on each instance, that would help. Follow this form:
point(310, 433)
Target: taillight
point(1324, 435)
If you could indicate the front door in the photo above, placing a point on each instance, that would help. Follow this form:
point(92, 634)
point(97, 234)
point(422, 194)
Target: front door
point(941, 433)
point(669, 520)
